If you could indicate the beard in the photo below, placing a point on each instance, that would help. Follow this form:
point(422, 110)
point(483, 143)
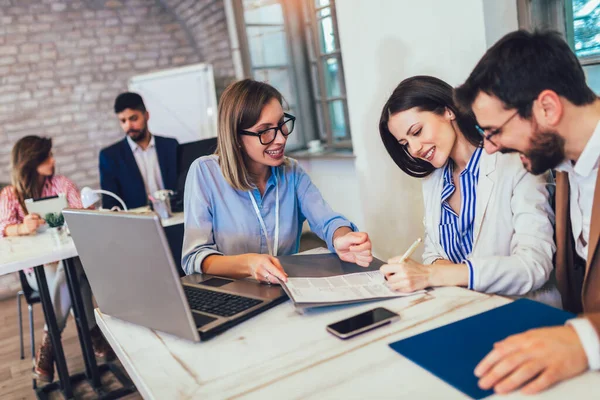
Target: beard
point(546, 150)
point(138, 135)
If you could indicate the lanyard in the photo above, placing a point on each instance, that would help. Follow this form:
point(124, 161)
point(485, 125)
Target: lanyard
point(272, 250)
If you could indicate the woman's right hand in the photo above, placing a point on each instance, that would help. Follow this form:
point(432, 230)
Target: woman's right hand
point(265, 268)
point(30, 224)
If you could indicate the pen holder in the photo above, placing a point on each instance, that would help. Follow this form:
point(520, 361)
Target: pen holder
point(161, 203)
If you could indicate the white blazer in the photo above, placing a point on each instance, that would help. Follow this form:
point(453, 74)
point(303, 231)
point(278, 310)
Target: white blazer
point(513, 236)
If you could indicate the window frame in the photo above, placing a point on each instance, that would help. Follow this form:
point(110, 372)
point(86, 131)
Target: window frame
point(570, 35)
point(317, 60)
point(301, 69)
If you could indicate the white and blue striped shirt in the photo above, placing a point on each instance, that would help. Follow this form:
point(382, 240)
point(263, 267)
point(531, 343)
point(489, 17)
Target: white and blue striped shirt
point(456, 231)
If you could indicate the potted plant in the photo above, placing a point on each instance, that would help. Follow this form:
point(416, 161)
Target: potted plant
point(56, 226)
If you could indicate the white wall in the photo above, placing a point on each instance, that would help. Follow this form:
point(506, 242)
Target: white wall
point(336, 179)
point(500, 17)
point(383, 42)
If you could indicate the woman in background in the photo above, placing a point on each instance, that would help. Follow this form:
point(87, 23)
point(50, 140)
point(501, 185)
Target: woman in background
point(246, 204)
point(33, 176)
point(488, 224)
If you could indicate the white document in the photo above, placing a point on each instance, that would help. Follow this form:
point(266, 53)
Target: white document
point(341, 288)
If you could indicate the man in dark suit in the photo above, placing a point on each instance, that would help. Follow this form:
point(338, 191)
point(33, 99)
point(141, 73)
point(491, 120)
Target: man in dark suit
point(141, 163)
point(529, 94)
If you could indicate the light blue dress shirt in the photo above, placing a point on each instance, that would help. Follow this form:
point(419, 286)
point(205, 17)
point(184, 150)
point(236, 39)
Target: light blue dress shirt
point(456, 231)
point(221, 220)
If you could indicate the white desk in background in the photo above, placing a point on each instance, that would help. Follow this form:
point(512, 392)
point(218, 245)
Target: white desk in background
point(175, 219)
point(22, 252)
point(285, 355)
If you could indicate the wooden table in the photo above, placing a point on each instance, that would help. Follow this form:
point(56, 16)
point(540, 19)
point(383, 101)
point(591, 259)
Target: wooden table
point(284, 354)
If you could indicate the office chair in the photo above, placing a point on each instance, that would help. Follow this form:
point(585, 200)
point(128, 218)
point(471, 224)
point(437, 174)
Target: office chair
point(187, 153)
point(31, 297)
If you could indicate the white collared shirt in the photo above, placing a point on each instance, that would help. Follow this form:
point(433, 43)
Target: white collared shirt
point(582, 184)
point(147, 162)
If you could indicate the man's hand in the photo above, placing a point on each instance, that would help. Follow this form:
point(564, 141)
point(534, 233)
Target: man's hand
point(536, 360)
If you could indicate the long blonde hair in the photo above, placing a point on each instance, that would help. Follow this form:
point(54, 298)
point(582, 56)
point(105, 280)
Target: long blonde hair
point(27, 154)
point(240, 107)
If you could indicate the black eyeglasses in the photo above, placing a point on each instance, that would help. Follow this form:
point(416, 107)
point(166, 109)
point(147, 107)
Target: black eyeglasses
point(268, 135)
point(494, 132)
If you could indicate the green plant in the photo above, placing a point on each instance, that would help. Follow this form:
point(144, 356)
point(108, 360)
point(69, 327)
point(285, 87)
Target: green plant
point(55, 220)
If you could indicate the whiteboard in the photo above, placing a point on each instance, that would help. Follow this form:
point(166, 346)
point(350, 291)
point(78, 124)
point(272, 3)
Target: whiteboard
point(182, 102)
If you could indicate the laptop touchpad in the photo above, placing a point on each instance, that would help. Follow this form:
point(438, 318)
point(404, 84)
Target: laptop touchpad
point(202, 320)
point(215, 282)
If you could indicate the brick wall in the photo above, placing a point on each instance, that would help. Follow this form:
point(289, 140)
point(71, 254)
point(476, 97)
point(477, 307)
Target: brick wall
point(63, 62)
point(206, 23)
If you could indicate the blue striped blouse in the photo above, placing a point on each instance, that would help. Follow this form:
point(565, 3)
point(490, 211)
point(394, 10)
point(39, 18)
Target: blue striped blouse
point(456, 231)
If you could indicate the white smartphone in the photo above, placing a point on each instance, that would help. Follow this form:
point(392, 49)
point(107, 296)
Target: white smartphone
point(361, 323)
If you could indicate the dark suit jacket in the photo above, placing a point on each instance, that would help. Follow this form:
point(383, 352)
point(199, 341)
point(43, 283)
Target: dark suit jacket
point(578, 280)
point(120, 174)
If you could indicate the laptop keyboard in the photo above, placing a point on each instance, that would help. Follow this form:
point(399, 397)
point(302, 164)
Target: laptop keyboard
point(217, 303)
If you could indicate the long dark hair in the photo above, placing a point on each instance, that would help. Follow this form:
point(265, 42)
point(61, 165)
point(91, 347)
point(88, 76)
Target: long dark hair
point(426, 93)
point(27, 154)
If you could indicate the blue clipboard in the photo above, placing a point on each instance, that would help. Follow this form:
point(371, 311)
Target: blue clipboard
point(453, 351)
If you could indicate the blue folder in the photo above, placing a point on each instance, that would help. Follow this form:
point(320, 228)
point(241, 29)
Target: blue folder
point(453, 351)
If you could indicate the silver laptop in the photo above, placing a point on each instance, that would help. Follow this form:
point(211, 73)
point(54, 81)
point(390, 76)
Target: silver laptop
point(129, 265)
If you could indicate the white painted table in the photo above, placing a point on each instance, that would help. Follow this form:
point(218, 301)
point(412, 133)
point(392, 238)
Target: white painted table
point(175, 219)
point(281, 354)
point(22, 252)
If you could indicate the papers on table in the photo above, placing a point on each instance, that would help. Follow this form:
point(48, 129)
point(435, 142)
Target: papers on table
point(349, 288)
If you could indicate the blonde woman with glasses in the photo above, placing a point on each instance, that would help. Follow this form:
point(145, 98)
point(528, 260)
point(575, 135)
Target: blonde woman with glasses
point(246, 204)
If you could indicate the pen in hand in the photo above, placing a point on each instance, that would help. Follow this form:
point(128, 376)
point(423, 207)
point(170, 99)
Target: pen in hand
point(408, 252)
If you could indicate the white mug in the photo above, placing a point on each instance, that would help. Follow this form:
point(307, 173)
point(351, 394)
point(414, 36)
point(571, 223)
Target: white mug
point(315, 146)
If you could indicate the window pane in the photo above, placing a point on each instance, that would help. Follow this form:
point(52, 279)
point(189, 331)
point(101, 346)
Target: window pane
point(326, 35)
point(263, 12)
point(332, 77)
point(280, 79)
point(592, 74)
point(586, 26)
point(321, 3)
point(338, 119)
point(267, 45)
point(324, 12)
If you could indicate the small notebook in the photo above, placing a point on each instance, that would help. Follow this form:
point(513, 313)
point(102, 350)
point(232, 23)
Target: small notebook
point(453, 351)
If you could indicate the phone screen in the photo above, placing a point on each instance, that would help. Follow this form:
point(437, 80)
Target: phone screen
point(360, 321)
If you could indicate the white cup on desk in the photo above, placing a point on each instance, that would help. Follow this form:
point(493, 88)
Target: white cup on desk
point(161, 202)
point(315, 146)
